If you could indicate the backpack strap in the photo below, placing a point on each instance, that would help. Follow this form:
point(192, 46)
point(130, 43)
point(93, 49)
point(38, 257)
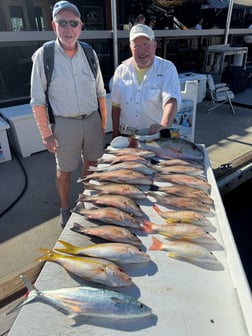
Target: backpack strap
point(48, 57)
point(90, 56)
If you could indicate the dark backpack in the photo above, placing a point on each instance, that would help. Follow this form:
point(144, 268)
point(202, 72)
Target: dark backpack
point(48, 57)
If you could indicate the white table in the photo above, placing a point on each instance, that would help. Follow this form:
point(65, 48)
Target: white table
point(186, 300)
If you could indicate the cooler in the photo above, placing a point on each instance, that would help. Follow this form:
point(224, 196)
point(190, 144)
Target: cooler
point(201, 78)
point(5, 154)
point(24, 133)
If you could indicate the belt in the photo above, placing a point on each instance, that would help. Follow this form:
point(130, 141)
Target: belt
point(78, 117)
point(127, 130)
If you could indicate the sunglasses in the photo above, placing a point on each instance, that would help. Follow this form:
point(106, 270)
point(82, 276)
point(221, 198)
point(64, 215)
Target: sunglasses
point(64, 23)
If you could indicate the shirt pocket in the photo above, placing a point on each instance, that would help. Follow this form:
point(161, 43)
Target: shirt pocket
point(153, 90)
point(60, 82)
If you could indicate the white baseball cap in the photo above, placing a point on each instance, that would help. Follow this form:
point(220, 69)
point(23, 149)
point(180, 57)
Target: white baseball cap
point(60, 5)
point(141, 30)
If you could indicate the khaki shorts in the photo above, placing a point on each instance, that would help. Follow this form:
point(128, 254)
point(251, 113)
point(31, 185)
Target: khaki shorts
point(78, 139)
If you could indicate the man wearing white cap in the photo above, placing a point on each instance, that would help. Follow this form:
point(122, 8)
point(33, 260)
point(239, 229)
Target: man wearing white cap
point(74, 93)
point(145, 88)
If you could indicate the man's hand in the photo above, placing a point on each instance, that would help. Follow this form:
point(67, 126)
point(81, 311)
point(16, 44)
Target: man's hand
point(51, 143)
point(155, 128)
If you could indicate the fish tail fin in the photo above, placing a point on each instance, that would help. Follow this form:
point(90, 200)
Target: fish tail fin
point(49, 255)
point(146, 226)
point(156, 244)
point(92, 169)
point(68, 248)
point(81, 197)
point(156, 208)
point(77, 227)
point(81, 179)
point(32, 293)
point(153, 187)
point(86, 184)
point(154, 161)
point(77, 209)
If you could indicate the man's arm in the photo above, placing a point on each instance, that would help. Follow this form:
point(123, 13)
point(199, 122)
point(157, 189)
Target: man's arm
point(41, 118)
point(103, 111)
point(169, 112)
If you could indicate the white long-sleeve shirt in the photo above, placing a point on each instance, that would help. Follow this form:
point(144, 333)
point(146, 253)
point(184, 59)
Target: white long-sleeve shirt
point(142, 105)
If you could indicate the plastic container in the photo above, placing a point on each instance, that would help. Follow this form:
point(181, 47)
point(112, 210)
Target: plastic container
point(201, 78)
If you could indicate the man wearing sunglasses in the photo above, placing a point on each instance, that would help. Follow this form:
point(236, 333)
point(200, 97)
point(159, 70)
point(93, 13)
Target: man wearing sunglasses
point(74, 94)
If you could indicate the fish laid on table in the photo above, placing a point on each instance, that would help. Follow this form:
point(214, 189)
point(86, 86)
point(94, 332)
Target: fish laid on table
point(120, 176)
point(92, 269)
point(124, 203)
point(179, 162)
point(123, 158)
point(116, 188)
point(187, 251)
point(121, 253)
point(189, 180)
point(109, 232)
point(108, 215)
point(180, 231)
point(88, 301)
point(181, 202)
point(145, 153)
point(182, 216)
point(131, 165)
point(174, 148)
point(184, 190)
point(179, 169)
